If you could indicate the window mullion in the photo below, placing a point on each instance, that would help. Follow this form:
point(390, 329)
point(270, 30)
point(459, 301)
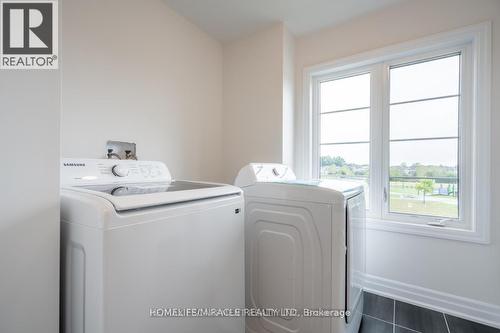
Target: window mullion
point(376, 134)
point(313, 171)
point(385, 139)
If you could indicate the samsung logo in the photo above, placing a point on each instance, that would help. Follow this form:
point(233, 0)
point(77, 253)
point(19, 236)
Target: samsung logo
point(74, 164)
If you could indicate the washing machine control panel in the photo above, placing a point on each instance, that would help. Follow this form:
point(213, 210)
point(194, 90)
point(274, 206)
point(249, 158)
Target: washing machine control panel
point(76, 172)
point(120, 171)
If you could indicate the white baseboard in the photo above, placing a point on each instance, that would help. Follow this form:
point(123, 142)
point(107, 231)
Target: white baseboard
point(462, 307)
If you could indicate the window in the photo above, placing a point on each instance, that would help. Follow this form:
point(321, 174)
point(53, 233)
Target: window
point(411, 124)
point(345, 129)
point(424, 137)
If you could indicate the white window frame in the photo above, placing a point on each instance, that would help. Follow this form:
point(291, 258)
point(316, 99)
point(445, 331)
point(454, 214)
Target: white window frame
point(474, 45)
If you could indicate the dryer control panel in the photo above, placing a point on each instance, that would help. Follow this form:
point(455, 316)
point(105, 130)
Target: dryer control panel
point(76, 172)
point(263, 172)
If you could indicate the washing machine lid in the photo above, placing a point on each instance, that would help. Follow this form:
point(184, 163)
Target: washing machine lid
point(143, 195)
point(278, 181)
point(135, 184)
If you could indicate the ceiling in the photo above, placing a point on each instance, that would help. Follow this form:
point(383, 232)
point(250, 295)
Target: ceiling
point(228, 20)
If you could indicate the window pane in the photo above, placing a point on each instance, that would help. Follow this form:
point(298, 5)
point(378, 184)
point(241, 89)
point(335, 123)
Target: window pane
point(421, 196)
point(424, 177)
point(346, 161)
point(428, 79)
point(356, 154)
point(347, 93)
point(425, 152)
point(348, 126)
point(435, 118)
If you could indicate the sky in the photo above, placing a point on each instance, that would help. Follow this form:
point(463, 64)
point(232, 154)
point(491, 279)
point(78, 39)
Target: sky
point(436, 118)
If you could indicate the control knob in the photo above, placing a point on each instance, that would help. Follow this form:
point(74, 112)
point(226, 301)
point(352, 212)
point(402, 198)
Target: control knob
point(119, 170)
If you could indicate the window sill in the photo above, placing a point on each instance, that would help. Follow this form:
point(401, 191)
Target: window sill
point(424, 230)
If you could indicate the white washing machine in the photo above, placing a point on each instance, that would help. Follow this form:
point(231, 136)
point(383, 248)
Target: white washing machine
point(305, 250)
point(136, 243)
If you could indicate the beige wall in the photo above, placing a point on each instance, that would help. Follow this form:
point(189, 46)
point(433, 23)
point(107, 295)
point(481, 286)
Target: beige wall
point(29, 201)
point(288, 97)
point(458, 268)
point(141, 73)
point(253, 100)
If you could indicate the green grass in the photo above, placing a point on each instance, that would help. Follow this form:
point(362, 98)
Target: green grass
point(406, 199)
point(419, 208)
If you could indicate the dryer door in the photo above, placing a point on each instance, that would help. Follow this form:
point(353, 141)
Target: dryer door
point(355, 255)
point(287, 255)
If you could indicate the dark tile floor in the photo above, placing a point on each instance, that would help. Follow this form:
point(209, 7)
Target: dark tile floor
point(385, 315)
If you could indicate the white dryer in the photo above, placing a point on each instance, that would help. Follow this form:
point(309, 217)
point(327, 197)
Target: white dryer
point(305, 250)
point(136, 243)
